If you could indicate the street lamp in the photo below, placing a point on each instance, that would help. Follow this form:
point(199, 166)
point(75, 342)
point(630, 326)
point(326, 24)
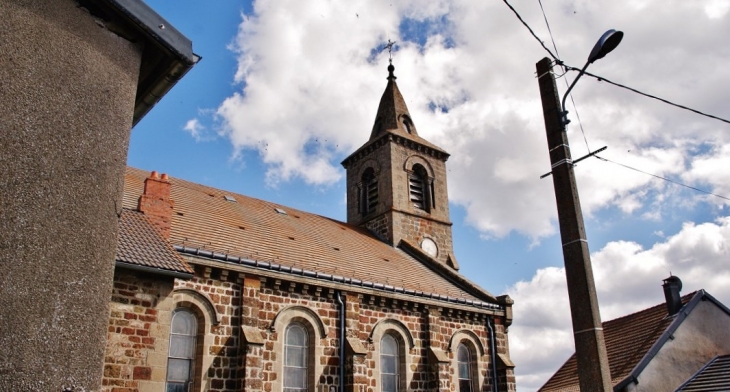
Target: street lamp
point(590, 345)
point(608, 42)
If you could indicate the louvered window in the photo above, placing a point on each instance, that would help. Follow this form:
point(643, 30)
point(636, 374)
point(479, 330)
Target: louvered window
point(369, 192)
point(419, 187)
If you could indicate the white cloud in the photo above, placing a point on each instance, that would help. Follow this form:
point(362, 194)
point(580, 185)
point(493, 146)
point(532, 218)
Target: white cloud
point(310, 88)
point(195, 128)
point(310, 82)
point(628, 279)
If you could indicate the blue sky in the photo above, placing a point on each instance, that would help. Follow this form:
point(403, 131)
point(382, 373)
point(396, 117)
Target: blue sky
point(287, 89)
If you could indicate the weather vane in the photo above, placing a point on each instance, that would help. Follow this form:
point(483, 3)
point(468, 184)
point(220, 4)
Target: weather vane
point(389, 46)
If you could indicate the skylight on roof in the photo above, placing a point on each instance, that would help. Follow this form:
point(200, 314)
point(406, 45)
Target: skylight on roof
point(280, 211)
point(229, 198)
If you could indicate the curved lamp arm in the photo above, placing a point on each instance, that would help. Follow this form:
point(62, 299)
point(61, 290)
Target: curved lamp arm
point(607, 43)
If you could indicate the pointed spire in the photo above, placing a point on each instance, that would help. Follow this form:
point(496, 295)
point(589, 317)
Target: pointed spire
point(393, 115)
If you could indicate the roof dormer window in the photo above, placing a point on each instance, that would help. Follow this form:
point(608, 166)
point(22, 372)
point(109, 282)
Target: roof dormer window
point(407, 124)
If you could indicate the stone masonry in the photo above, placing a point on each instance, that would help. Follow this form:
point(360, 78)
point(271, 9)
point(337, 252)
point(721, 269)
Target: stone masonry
point(242, 319)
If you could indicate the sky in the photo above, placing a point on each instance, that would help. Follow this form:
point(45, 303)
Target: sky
point(287, 89)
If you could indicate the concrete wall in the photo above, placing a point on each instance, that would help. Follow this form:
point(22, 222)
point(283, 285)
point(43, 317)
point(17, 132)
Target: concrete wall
point(67, 90)
point(703, 335)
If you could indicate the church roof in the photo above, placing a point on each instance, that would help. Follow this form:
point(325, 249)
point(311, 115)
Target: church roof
point(140, 246)
point(393, 119)
point(629, 342)
point(231, 227)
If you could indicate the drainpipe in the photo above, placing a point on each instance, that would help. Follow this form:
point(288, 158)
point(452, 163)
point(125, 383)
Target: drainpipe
point(493, 355)
point(342, 341)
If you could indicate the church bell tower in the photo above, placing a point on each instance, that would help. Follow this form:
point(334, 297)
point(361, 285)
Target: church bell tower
point(396, 183)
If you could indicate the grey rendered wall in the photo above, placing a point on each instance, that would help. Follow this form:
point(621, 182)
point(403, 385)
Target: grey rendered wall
point(704, 334)
point(67, 90)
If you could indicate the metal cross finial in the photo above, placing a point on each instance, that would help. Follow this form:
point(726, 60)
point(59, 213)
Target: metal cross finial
point(389, 46)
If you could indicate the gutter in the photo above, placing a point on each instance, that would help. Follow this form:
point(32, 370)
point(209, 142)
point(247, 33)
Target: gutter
point(263, 265)
point(167, 54)
point(342, 340)
point(153, 270)
point(493, 355)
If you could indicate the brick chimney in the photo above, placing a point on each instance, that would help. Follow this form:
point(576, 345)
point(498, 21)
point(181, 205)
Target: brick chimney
point(155, 202)
point(672, 286)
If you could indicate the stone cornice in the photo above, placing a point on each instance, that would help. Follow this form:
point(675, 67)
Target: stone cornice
point(387, 137)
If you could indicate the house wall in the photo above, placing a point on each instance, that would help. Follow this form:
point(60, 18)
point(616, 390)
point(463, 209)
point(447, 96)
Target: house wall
point(66, 105)
point(704, 334)
point(243, 319)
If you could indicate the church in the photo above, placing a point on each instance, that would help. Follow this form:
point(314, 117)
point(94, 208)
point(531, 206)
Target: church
point(217, 291)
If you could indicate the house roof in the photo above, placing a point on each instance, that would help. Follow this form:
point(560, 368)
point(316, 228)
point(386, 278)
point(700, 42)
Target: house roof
point(629, 339)
point(167, 55)
point(714, 376)
point(231, 227)
point(140, 246)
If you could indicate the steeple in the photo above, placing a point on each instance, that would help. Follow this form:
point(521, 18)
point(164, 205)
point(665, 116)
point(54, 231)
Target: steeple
point(392, 115)
point(396, 183)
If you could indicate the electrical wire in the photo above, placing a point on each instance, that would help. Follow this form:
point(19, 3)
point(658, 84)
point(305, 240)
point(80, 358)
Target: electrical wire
point(565, 70)
point(530, 29)
point(662, 178)
point(544, 16)
point(602, 79)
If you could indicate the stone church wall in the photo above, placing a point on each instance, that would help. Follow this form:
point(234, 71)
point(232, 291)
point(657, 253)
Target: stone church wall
point(243, 319)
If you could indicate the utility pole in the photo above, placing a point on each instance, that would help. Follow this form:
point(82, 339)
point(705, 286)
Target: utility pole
point(590, 346)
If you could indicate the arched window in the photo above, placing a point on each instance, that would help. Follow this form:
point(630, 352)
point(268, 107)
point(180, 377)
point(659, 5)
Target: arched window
point(463, 360)
point(389, 364)
point(181, 355)
point(369, 191)
point(419, 186)
point(296, 353)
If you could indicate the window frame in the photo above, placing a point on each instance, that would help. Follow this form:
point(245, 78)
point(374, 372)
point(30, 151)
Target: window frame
point(397, 359)
point(193, 340)
point(305, 357)
point(469, 365)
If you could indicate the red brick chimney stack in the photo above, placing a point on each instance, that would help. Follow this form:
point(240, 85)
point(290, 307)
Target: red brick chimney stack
point(155, 202)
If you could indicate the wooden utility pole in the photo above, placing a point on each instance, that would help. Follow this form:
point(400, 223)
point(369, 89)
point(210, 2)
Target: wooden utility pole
point(590, 346)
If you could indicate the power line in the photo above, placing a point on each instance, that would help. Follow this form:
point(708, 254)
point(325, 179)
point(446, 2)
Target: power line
point(531, 32)
point(602, 79)
point(548, 27)
point(662, 178)
point(577, 115)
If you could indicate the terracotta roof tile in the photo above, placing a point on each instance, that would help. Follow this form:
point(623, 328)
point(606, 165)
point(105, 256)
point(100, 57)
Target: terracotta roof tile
point(252, 229)
point(628, 340)
point(141, 244)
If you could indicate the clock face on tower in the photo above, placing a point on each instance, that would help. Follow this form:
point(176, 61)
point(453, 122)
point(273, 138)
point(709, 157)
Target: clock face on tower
point(428, 246)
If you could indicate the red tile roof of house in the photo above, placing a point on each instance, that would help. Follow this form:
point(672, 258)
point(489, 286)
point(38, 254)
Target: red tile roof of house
point(140, 245)
point(254, 229)
point(628, 340)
